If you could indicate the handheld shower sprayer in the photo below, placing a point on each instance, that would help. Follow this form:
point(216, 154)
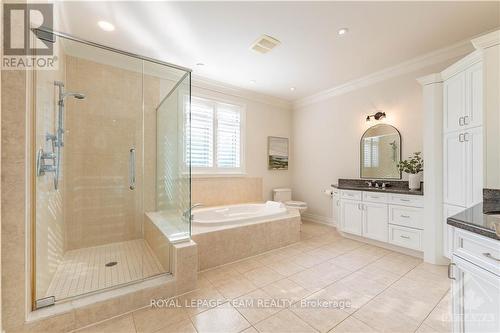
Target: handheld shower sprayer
point(57, 139)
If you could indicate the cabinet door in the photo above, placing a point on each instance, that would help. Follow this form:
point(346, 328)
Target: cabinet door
point(454, 102)
point(336, 208)
point(474, 96)
point(449, 210)
point(351, 216)
point(454, 173)
point(475, 298)
point(375, 221)
point(474, 144)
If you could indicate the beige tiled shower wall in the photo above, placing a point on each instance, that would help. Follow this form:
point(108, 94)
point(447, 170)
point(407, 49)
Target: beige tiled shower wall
point(218, 191)
point(101, 130)
point(49, 201)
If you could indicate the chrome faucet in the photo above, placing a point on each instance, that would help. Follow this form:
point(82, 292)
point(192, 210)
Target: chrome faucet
point(187, 213)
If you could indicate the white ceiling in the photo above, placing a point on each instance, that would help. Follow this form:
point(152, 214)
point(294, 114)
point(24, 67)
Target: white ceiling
point(311, 57)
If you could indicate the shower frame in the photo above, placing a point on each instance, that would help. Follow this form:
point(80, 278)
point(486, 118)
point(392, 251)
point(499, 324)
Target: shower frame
point(51, 35)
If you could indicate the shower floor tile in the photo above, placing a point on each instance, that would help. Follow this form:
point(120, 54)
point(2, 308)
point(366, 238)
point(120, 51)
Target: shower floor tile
point(89, 269)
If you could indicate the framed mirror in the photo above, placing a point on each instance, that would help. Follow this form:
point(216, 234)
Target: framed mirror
point(380, 152)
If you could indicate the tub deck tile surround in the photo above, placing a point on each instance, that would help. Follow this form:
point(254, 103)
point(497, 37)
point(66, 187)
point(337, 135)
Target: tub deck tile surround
point(220, 247)
point(398, 296)
point(221, 191)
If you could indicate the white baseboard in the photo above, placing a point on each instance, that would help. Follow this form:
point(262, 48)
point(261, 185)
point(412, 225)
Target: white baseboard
point(319, 219)
point(388, 246)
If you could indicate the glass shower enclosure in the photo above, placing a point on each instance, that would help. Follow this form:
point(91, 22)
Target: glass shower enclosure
point(111, 178)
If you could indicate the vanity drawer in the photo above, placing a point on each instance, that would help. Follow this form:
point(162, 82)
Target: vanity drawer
point(406, 199)
point(351, 195)
point(482, 251)
point(375, 197)
point(406, 216)
point(405, 237)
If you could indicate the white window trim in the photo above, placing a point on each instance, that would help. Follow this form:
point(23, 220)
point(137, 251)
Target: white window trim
point(197, 172)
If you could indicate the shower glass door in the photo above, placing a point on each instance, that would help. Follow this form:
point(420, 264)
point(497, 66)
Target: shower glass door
point(95, 174)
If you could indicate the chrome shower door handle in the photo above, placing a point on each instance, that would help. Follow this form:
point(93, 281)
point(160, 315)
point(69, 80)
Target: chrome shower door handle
point(131, 168)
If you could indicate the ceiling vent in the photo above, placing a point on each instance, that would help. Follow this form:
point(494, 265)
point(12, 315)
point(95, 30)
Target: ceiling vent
point(264, 44)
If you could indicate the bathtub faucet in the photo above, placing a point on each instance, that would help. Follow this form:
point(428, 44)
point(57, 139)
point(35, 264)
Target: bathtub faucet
point(187, 212)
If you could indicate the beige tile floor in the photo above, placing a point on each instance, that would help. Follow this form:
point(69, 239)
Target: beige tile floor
point(386, 291)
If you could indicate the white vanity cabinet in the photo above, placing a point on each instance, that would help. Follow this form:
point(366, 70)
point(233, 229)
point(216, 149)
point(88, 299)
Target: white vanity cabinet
point(454, 101)
point(475, 270)
point(385, 217)
point(375, 221)
point(448, 230)
point(463, 167)
point(462, 140)
point(463, 132)
point(463, 96)
point(336, 207)
point(351, 216)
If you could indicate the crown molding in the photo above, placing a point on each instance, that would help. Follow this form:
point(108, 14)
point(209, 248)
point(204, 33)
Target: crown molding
point(487, 40)
point(430, 79)
point(227, 89)
point(409, 66)
point(462, 64)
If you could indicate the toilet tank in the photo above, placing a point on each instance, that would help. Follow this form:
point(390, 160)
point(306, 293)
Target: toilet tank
point(282, 194)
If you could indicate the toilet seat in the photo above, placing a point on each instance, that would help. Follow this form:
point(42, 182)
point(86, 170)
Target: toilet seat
point(296, 204)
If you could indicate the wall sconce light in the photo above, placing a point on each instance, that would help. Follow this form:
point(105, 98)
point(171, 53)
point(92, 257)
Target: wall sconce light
point(377, 116)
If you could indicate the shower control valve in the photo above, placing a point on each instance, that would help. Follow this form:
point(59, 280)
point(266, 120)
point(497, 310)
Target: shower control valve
point(41, 166)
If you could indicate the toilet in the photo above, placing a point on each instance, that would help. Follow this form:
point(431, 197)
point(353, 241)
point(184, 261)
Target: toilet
point(284, 195)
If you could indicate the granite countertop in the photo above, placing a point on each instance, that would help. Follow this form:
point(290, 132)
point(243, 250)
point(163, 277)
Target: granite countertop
point(475, 220)
point(397, 187)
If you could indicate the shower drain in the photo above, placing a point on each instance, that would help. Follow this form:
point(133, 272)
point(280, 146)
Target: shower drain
point(111, 264)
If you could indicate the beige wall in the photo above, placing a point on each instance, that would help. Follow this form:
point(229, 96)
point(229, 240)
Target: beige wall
point(326, 134)
point(263, 119)
point(491, 70)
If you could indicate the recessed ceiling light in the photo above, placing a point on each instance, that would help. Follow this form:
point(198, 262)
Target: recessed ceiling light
point(200, 64)
point(253, 81)
point(106, 26)
point(342, 31)
point(292, 89)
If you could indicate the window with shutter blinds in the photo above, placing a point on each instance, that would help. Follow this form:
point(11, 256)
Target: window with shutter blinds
point(370, 151)
point(216, 137)
point(200, 129)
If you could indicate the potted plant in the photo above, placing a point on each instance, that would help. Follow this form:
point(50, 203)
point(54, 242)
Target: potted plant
point(413, 166)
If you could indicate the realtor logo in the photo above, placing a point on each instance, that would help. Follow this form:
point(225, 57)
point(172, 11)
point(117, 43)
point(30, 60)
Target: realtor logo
point(22, 46)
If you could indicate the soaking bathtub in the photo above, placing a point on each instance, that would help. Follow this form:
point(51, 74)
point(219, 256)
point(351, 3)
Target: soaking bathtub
point(229, 233)
point(238, 214)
